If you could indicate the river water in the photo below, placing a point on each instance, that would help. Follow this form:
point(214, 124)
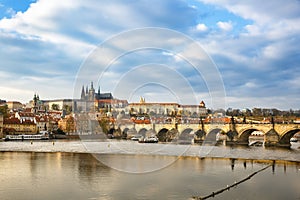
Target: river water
point(57, 175)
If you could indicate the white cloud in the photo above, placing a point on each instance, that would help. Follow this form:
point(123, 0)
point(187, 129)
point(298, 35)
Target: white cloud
point(250, 85)
point(225, 26)
point(272, 19)
point(201, 27)
point(56, 36)
point(49, 41)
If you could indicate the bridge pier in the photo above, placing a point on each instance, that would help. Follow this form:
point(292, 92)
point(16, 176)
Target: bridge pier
point(271, 138)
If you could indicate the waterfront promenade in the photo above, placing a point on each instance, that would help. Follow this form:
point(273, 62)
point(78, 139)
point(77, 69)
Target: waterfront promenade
point(135, 148)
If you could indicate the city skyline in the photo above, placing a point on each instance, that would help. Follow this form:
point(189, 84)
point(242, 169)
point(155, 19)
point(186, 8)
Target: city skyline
point(254, 47)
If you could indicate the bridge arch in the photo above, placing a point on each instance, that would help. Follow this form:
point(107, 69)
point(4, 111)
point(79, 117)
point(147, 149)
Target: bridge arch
point(162, 134)
point(124, 132)
point(166, 135)
point(285, 138)
point(187, 134)
point(142, 132)
point(131, 132)
point(150, 132)
point(212, 135)
point(244, 136)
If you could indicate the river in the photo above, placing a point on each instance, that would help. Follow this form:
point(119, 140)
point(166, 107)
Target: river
point(65, 175)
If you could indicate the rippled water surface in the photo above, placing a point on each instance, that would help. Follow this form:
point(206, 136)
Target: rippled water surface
point(81, 176)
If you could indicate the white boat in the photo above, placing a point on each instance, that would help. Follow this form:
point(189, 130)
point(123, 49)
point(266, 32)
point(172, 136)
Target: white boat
point(137, 138)
point(151, 139)
point(293, 139)
point(27, 137)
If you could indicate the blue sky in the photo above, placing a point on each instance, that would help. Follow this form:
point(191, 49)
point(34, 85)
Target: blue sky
point(44, 45)
point(8, 8)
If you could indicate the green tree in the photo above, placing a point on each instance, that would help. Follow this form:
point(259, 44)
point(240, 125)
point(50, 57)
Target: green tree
point(104, 124)
point(4, 110)
point(67, 108)
point(55, 106)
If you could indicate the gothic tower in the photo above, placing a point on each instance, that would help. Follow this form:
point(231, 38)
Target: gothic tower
point(91, 96)
point(82, 93)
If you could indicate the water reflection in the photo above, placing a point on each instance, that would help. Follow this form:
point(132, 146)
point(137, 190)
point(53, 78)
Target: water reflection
point(81, 176)
point(232, 163)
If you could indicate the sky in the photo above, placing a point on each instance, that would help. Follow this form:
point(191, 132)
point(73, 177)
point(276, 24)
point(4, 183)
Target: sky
point(229, 53)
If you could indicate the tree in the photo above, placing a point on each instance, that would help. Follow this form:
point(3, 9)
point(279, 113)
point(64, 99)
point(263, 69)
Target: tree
point(257, 112)
point(70, 124)
point(4, 110)
point(67, 108)
point(55, 106)
point(104, 124)
point(236, 112)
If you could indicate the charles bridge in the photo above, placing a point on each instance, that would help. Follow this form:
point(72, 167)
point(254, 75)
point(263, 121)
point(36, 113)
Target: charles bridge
point(231, 133)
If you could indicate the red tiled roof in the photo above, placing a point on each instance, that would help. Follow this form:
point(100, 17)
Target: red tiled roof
point(11, 121)
point(26, 114)
point(17, 121)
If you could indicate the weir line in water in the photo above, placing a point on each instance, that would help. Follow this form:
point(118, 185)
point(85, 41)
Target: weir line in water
point(213, 194)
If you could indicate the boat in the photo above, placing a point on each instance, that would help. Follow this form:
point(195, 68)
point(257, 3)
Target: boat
point(256, 143)
point(151, 139)
point(27, 137)
point(293, 139)
point(137, 138)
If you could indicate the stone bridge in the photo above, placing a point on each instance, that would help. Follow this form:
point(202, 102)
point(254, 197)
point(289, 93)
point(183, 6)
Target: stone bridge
point(274, 134)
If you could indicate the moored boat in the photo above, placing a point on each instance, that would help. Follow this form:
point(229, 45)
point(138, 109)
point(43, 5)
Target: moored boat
point(293, 139)
point(151, 139)
point(27, 137)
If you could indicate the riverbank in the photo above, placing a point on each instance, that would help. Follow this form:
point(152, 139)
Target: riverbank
point(131, 147)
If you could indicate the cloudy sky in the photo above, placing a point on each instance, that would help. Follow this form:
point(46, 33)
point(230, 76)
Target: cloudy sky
point(246, 51)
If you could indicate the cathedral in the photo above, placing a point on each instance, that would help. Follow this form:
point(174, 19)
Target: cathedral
point(89, 94)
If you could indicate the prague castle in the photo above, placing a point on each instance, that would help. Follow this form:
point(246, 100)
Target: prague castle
point(91, 95)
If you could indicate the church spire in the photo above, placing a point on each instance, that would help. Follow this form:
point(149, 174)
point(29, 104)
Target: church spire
point(35, 99)
point(92, 86)
point(142, 100)
point(99, 90)
point(82, 93)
